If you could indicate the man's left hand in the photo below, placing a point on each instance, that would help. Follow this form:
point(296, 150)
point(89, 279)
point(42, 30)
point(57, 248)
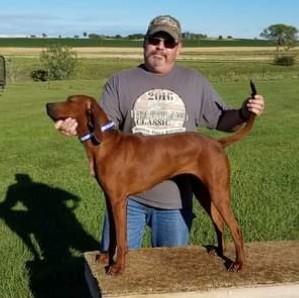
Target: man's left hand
point(256, 105)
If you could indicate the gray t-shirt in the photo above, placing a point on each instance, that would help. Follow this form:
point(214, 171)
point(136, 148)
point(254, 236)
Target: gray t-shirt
point(139, 101)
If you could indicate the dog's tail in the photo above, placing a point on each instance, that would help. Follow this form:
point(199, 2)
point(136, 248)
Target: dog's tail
point(239, 134)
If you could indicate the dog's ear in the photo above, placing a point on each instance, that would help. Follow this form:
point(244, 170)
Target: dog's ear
point(97, 118)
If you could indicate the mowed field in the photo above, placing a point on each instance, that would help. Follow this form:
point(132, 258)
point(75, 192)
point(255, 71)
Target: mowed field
point(51, 210)
point(188, 53)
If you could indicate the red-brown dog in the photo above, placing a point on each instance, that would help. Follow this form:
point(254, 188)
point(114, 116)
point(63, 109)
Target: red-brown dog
point(118, 163)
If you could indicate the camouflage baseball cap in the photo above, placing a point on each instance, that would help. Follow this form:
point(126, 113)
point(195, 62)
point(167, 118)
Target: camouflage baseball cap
point(165, 23)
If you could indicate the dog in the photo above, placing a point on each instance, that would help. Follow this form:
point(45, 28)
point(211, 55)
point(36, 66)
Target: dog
point(116, 159)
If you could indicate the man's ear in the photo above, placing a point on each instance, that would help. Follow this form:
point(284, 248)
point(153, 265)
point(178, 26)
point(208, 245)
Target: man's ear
point(179, 49)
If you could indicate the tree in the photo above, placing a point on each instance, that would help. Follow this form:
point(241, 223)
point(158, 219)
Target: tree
point(95, 36)
point(284, 36)
point(59, 62)
point(135, 36)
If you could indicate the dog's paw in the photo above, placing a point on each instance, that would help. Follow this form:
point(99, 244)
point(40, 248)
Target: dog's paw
point(235, 267)
point(114, 269)
point(102, 258)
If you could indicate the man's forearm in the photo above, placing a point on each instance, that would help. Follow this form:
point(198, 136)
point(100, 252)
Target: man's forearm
point(231, 120)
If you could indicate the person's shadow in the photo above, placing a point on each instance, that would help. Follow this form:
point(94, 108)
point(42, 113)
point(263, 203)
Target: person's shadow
point(42, 216)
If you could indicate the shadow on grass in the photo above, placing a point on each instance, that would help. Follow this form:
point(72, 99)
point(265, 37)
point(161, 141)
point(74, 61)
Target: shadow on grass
point(42, 216)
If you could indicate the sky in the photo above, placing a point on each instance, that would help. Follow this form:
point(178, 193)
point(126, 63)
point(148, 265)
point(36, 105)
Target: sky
point(237, 18)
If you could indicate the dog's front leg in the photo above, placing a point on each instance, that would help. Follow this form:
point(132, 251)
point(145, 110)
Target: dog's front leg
point(112, 234)
point(119, 214)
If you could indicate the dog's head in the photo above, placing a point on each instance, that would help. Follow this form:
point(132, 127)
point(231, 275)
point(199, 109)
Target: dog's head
point(84, 109)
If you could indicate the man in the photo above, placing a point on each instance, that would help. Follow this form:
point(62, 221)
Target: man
point(159, 97)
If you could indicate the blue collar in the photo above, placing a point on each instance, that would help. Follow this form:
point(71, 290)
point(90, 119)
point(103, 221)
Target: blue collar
point(86, 137)
point(104, 128)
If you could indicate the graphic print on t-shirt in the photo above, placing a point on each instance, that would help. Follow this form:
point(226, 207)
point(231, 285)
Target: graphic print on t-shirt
point(159, 111)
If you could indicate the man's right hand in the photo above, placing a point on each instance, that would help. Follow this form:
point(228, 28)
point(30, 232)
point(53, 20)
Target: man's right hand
point(68, 127)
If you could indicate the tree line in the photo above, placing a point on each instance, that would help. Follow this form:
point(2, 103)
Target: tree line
point(283, 35)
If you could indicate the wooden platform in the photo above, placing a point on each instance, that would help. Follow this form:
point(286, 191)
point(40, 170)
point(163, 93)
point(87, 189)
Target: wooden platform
point(190, 270)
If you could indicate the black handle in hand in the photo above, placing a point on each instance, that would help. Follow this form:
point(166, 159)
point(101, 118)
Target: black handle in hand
point(253, 89)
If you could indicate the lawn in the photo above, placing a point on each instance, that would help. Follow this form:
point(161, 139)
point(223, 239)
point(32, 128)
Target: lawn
point(109, 42)
point(51, 210)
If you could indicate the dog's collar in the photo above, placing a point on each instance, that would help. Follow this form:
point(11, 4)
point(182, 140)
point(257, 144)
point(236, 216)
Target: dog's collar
point(108, 126)
point(86, 137)
point(104, 128)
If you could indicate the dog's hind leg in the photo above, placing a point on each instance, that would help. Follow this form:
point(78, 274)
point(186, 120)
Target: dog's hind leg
point(221, 200)
point(203, 197)
point(218, 223)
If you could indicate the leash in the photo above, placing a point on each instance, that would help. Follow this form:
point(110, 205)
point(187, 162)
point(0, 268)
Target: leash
point(104, 128)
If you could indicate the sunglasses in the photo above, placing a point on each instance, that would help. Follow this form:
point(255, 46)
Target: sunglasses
point(169, 43)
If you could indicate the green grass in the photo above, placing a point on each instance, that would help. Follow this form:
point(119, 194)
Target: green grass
point(51, 209)
point(19, 69)
point(85, 42)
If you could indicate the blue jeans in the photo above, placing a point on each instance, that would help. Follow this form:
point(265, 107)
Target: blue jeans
point(169, 227)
